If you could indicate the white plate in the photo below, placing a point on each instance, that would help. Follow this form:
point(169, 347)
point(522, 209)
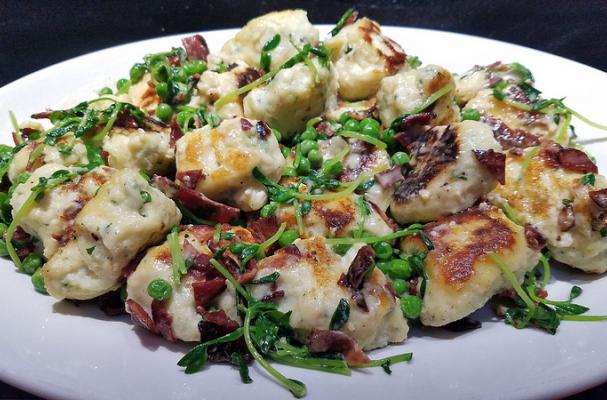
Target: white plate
point(58, 350)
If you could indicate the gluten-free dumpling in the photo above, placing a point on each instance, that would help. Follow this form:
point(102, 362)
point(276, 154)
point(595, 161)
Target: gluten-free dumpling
point(410, 88)
point(551, 195)
point(461, 275)
point(292, 97)
point(50, 154)
point(452, 167)
point(52, 217)
point(511, 127)
point(292, 26)
point(145, 150)
point(215, 84)
point(310, 275)
point(223, 160)
point(362, 56)
point(124, 217)
point(337, 217)
point(200, 287)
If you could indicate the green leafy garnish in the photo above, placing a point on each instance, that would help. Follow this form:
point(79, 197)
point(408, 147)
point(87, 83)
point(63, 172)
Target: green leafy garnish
point(340, 316)
point(266, 58)
point(342, 22)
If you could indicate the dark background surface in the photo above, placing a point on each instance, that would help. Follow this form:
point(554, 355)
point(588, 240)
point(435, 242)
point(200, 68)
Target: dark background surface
point(36, 34)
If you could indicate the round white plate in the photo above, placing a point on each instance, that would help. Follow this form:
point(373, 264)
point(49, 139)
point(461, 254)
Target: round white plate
point(58, 350)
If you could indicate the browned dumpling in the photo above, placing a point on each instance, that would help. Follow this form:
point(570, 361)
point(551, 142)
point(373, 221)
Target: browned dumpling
point(461, 276)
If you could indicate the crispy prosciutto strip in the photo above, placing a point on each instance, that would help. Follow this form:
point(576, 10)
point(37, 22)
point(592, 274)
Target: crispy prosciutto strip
point(390, 177)
point(163, 321)
point(205, 292)
point(215, 324)
point(599, 197)
point(573, 160)
point(126, 120)
point(320, 341)
point(535, 239)
point(355, 277)
point(160, 323)
point(210, 209)
point(494, 162)
point(195, 47)
point(176, 132)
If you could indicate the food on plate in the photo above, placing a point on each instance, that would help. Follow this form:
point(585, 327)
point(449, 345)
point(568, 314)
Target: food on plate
point(304, 199)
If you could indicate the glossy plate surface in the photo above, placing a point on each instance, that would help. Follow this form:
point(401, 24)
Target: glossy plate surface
point(59, 350)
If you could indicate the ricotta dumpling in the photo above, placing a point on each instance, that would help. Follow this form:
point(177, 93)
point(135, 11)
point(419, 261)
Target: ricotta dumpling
point(452, 167)
point(292, 26)
point(51, 154)
point(556, 202)
point(143, 95)
point(194, 287)
point(512, 127)
point(214, 84)
point(51, 219)
point(145, 150)
point(309, 277)
point(362, 56)
point(461, 275)
point(125, 216)
point(407, 90)
point(337, 218)
point(291, 98)
point(225, 157)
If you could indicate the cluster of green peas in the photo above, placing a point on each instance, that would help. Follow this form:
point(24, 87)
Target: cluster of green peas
point(399, 271)
point(31, 264)
point(168, 81)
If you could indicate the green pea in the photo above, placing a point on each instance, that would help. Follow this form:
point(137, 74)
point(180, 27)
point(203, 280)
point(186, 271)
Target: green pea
point(287, 238)
point(400, 158)
point(184, 117)
point(289, 171)
point(136, 73)
point(179, 75)
point(268, 210)
point(164, 112)
point(411, 306)
point(399, 286)
point(160, 289)
point(383, 250)
point(195, 67)
point(384, 266)
point(308, 145)
point(309, 134)
point(315, 157)
point(387, 136)
point(160, 72)
point(31, 263)
point(162, 90)
point(105, 90)
point(332, 168)
point(471, 114)
point(344, 117)
point(370, 127)
point(123, 85)
point(304, 167)
point(237, 248)
point(400, 269)
point(285, 151)
point(38, 281)
point(352, 125)
point(277, 134)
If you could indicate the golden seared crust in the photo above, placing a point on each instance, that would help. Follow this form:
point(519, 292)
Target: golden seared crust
point(461, 276)
point(455, 260)
point(336, 215)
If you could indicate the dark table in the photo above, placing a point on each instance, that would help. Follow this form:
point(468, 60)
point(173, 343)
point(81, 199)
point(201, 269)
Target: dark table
point(35, 34)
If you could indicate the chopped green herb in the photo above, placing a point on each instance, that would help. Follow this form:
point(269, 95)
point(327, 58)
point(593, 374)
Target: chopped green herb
point(340, 316)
